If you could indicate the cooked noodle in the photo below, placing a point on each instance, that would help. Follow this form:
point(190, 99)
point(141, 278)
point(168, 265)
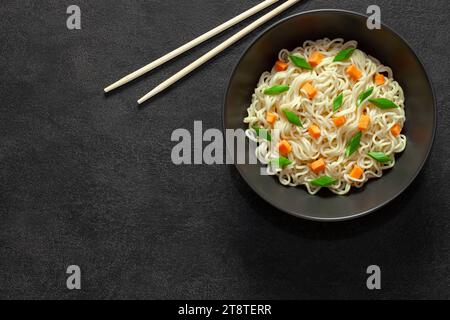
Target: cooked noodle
point(330, 79)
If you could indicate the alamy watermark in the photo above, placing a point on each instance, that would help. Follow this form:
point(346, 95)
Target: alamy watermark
point(73, 22)
point(212, 146)
point(74, 280)
point(374, 20)
point(374, 280)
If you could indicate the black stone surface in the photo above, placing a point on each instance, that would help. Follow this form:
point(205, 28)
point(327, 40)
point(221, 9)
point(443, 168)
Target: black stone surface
point(87, 179)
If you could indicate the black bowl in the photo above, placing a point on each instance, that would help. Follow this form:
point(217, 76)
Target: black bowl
point(391, 50)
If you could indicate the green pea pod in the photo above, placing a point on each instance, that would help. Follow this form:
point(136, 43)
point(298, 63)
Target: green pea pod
point(383, 103)
point(380, 156)
point(353, 145)
point(293, 118)
point(337, 102)
point(323, 181)
point(276, 90)
point(344, 55)
point(281, 162)
point(363, 96)
point(300, 62)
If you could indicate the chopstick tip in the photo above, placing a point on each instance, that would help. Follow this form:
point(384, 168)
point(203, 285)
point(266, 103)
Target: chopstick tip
point(149, 95)
point(141, 101)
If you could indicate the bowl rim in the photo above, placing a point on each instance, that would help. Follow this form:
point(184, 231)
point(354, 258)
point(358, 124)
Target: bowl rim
point(413, 177)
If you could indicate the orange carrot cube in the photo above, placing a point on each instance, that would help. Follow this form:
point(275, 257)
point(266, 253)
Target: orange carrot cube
point(309, 90)
point(354, 73)
point(281, 66)
point(379, 79)
point(314, 131)
point(356, 173)
point(284, 148)
point(318, 166)
point(271, 117)
point(315, 59)
point(396, 130)
point(339, 121)
point(364, 122)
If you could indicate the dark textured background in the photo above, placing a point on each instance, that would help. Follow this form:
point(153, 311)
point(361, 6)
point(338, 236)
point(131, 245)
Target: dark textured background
point(87, 179)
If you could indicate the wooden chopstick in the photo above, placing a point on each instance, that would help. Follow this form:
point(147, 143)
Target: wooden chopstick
point(191, 44)
point(211, 54)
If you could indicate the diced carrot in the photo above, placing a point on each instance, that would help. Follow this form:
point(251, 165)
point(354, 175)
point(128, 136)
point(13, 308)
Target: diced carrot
point(271, 117)
point(364, 122)
point(356, 173)
point(309, 90)
point(379, 79)
point(317, 166)
point(281, 66)
point(354, 72)
point(314, 131)
point(339, 121)
point(284, 148)
point(315, 59)
point(396, 130)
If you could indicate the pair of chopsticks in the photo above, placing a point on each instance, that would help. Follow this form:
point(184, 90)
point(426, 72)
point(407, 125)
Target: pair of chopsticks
point(211, 54)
